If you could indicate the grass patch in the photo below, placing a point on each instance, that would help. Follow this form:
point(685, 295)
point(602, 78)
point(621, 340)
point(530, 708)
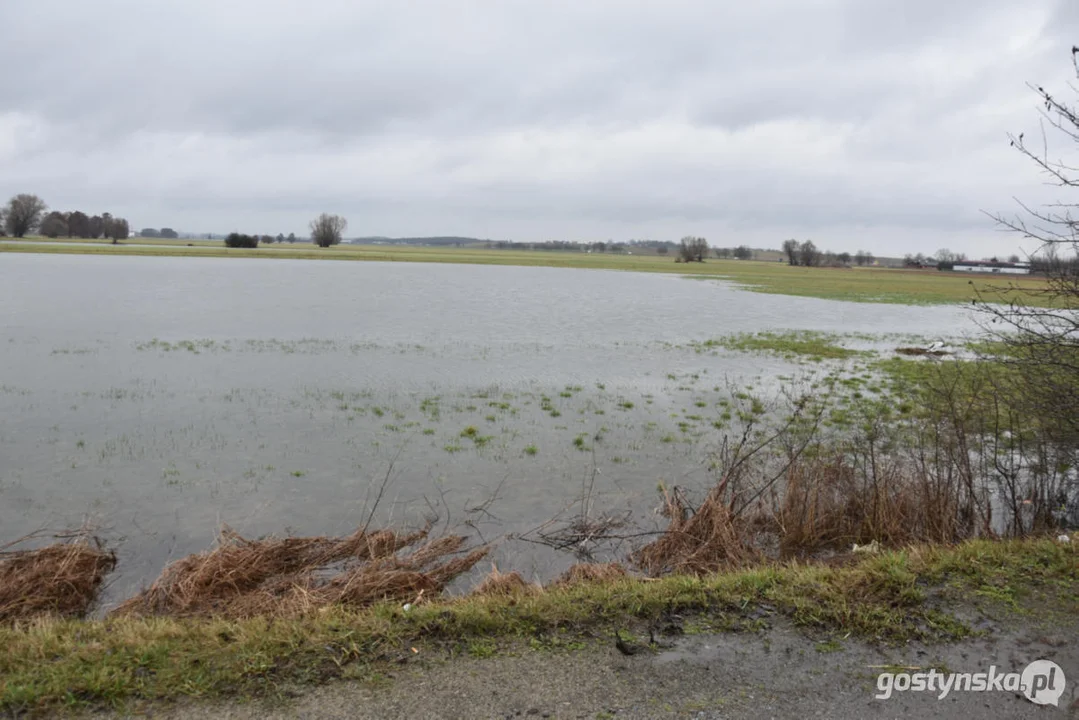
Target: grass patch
point(882, 598)
point(815, 346)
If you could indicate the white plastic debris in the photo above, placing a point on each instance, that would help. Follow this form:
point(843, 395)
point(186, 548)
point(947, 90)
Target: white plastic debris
point(406, 607)
point(1064, 538)
point(873, 547)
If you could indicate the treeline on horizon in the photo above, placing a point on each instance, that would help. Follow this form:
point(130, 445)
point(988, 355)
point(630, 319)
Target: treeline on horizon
point(24, 214)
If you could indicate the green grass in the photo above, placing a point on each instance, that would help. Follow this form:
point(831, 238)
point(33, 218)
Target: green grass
point(878, 285)
point(813, 345)
point(884, 598)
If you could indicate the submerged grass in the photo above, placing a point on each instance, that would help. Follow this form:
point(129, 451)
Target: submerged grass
point(881, 598)
point(808, 344)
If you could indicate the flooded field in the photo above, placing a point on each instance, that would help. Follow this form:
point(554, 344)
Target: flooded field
point(158, 398)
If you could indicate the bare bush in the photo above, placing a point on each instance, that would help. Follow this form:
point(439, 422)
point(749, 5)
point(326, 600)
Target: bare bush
point(1041, 338)
point(326, 229)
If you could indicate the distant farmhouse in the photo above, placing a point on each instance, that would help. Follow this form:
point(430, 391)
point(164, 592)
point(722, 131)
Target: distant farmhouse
point(1003, 268)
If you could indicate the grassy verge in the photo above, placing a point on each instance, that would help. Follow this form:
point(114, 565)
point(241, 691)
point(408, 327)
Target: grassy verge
point(876, 285)
point(890, 597)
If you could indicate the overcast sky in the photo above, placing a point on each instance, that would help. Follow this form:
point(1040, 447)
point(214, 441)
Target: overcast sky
point(861, 124)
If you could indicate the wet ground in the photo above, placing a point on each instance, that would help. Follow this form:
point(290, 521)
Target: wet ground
point(777, 673)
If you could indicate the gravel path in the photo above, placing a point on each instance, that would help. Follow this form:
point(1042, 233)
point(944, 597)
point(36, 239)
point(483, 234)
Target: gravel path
point(777, 673)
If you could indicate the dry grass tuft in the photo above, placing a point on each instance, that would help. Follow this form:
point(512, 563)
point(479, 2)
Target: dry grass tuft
point(591, 573)
point(290, 577)
point(58, 580)
point(511, 584)
point(696, 541)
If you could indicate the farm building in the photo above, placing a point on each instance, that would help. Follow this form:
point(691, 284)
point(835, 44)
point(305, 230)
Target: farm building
point(1003, 268)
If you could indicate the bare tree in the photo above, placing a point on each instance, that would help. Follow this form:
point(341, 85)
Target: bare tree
point(326, 229)
point(24, 214)
point(809, 254)
point(790, 249)
point(692, 249)
point(1042, 337)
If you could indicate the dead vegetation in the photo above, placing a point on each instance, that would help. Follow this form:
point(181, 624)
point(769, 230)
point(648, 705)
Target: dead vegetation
point(289, 577)
point(500, 584)
point(697, 540)
point(59, 580)
point(818, 505)
point(581, 573)
point(830, 504)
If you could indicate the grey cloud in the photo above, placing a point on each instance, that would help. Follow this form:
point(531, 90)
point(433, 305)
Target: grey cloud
point(836, 118)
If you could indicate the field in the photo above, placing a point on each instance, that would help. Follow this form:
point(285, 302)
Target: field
point(878, 285)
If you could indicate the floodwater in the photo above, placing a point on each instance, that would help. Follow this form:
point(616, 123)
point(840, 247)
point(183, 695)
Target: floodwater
point(158, 398)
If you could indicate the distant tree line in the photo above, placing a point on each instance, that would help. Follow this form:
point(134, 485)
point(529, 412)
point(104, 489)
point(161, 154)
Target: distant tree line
point(326, 230)
point(742, 252)
point(560, 246)
point(1049, 263)
point(165, 233)
point(807, 254)
point(26, 214)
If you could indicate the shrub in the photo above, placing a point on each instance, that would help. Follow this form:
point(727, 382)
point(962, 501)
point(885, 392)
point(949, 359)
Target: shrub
point(238, 240)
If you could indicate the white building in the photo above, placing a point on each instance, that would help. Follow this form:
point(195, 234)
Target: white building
point(1000, 268)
